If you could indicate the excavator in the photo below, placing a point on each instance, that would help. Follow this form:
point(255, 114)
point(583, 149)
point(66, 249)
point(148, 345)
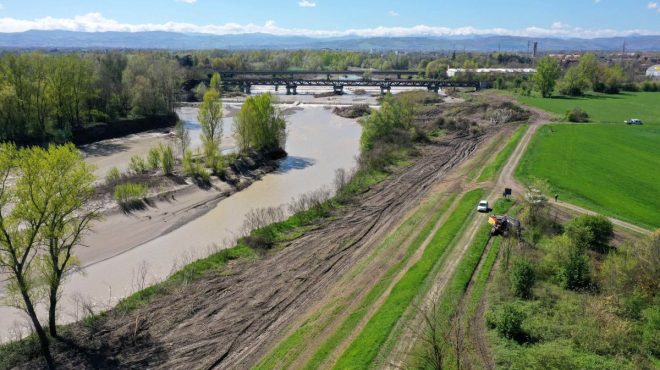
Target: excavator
point(504, 225)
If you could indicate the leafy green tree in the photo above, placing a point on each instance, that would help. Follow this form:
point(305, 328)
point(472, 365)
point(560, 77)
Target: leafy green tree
point(19, 244)
point(153, 84)
point(260, 126)
point(590, 232)
point(574, 82)
point(575, 275)
point(509, 322)
point(547, 73)
point(114, 97)
point(44, 214)
point(613, 79)
point(60, 185)
point(522, 278)
point(589, 68)
point(436, 69)
point(388, 124)
point(210, 118)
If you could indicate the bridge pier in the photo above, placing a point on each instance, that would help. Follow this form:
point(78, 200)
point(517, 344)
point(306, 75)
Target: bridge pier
point(292, 89)
point(385, 89)
point(246, 88)
point(338, 89)
point(434, 88)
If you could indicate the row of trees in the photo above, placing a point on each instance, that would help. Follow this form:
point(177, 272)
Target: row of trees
point(588, 74)
point(45, 97)
point(44, 213)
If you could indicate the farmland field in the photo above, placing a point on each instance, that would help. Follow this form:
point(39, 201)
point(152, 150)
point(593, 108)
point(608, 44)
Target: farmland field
point(605, 108)
point(612, 170)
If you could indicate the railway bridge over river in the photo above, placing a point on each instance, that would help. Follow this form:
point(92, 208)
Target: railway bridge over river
point(337, 80)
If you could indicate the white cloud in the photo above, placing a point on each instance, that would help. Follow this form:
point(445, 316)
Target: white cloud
point(654, 6)
point(392, 13)
point(95, 22)
point(186, 1)
point(307, 4)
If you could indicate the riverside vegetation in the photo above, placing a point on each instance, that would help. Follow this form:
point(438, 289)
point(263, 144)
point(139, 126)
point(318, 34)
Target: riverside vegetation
point(48, 208)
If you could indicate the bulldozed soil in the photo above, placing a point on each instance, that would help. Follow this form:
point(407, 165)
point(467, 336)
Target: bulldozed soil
point(229, 320)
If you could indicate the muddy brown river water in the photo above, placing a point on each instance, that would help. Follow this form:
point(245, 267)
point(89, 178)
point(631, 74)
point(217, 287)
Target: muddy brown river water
point(318, 144)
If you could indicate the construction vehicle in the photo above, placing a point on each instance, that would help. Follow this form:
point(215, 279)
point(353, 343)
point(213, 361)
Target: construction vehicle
point(504, 225)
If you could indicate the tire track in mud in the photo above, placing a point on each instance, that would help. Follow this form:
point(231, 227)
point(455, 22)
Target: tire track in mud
point(230, 321)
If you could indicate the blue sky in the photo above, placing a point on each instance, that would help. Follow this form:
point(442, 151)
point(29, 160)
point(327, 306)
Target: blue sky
point(565, 18)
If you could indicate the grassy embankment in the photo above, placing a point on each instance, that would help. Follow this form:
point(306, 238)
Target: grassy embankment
point(288, 350)
point(454, 292)
point(492, 169)
point(609, 167)
point(363, 350)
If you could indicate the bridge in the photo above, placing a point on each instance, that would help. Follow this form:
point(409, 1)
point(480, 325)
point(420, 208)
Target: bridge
point(385, 85)
point(292, 74)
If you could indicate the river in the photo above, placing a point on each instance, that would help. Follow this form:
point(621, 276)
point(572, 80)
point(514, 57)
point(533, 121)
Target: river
point(318, 144)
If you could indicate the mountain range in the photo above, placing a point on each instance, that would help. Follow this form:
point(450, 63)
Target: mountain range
point(191, 41)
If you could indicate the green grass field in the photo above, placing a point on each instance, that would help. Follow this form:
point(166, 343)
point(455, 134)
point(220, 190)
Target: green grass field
point(605, 108)
point(614, 170)
point(609, 167)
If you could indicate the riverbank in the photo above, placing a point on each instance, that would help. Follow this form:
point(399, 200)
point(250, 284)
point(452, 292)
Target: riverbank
point(318, 144)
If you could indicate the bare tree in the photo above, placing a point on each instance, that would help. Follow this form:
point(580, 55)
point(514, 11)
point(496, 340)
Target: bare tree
point(431, 354)
point(182, 137)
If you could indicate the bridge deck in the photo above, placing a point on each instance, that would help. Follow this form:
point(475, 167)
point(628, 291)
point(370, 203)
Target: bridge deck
point(347, 82)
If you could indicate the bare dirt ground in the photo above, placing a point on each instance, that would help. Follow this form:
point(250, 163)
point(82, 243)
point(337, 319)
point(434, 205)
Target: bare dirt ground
point(229, 321)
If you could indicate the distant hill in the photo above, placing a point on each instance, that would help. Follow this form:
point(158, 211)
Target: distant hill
point(173, 40)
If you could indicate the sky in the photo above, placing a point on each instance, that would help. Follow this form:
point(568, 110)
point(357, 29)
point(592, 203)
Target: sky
point(334, 18)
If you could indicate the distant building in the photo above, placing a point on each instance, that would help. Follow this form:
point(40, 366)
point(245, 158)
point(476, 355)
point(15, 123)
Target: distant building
point(654, 72)
point(451, 72)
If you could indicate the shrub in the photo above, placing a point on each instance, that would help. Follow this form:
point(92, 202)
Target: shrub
point(188, 163)
point(113, 176)
point(166, 159)
point(630, 87)
point(593, 232)
point(153, 159)
point(130, 194)
point(194, 169)
point(576, 274)
point(649, 86)
point(137, 165)
point(509, 322)
point(651, 331)
point(577, 115)
point(522, 278)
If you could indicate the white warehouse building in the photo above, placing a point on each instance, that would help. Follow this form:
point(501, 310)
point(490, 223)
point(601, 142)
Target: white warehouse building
point(451, 72)
point(654, 72)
